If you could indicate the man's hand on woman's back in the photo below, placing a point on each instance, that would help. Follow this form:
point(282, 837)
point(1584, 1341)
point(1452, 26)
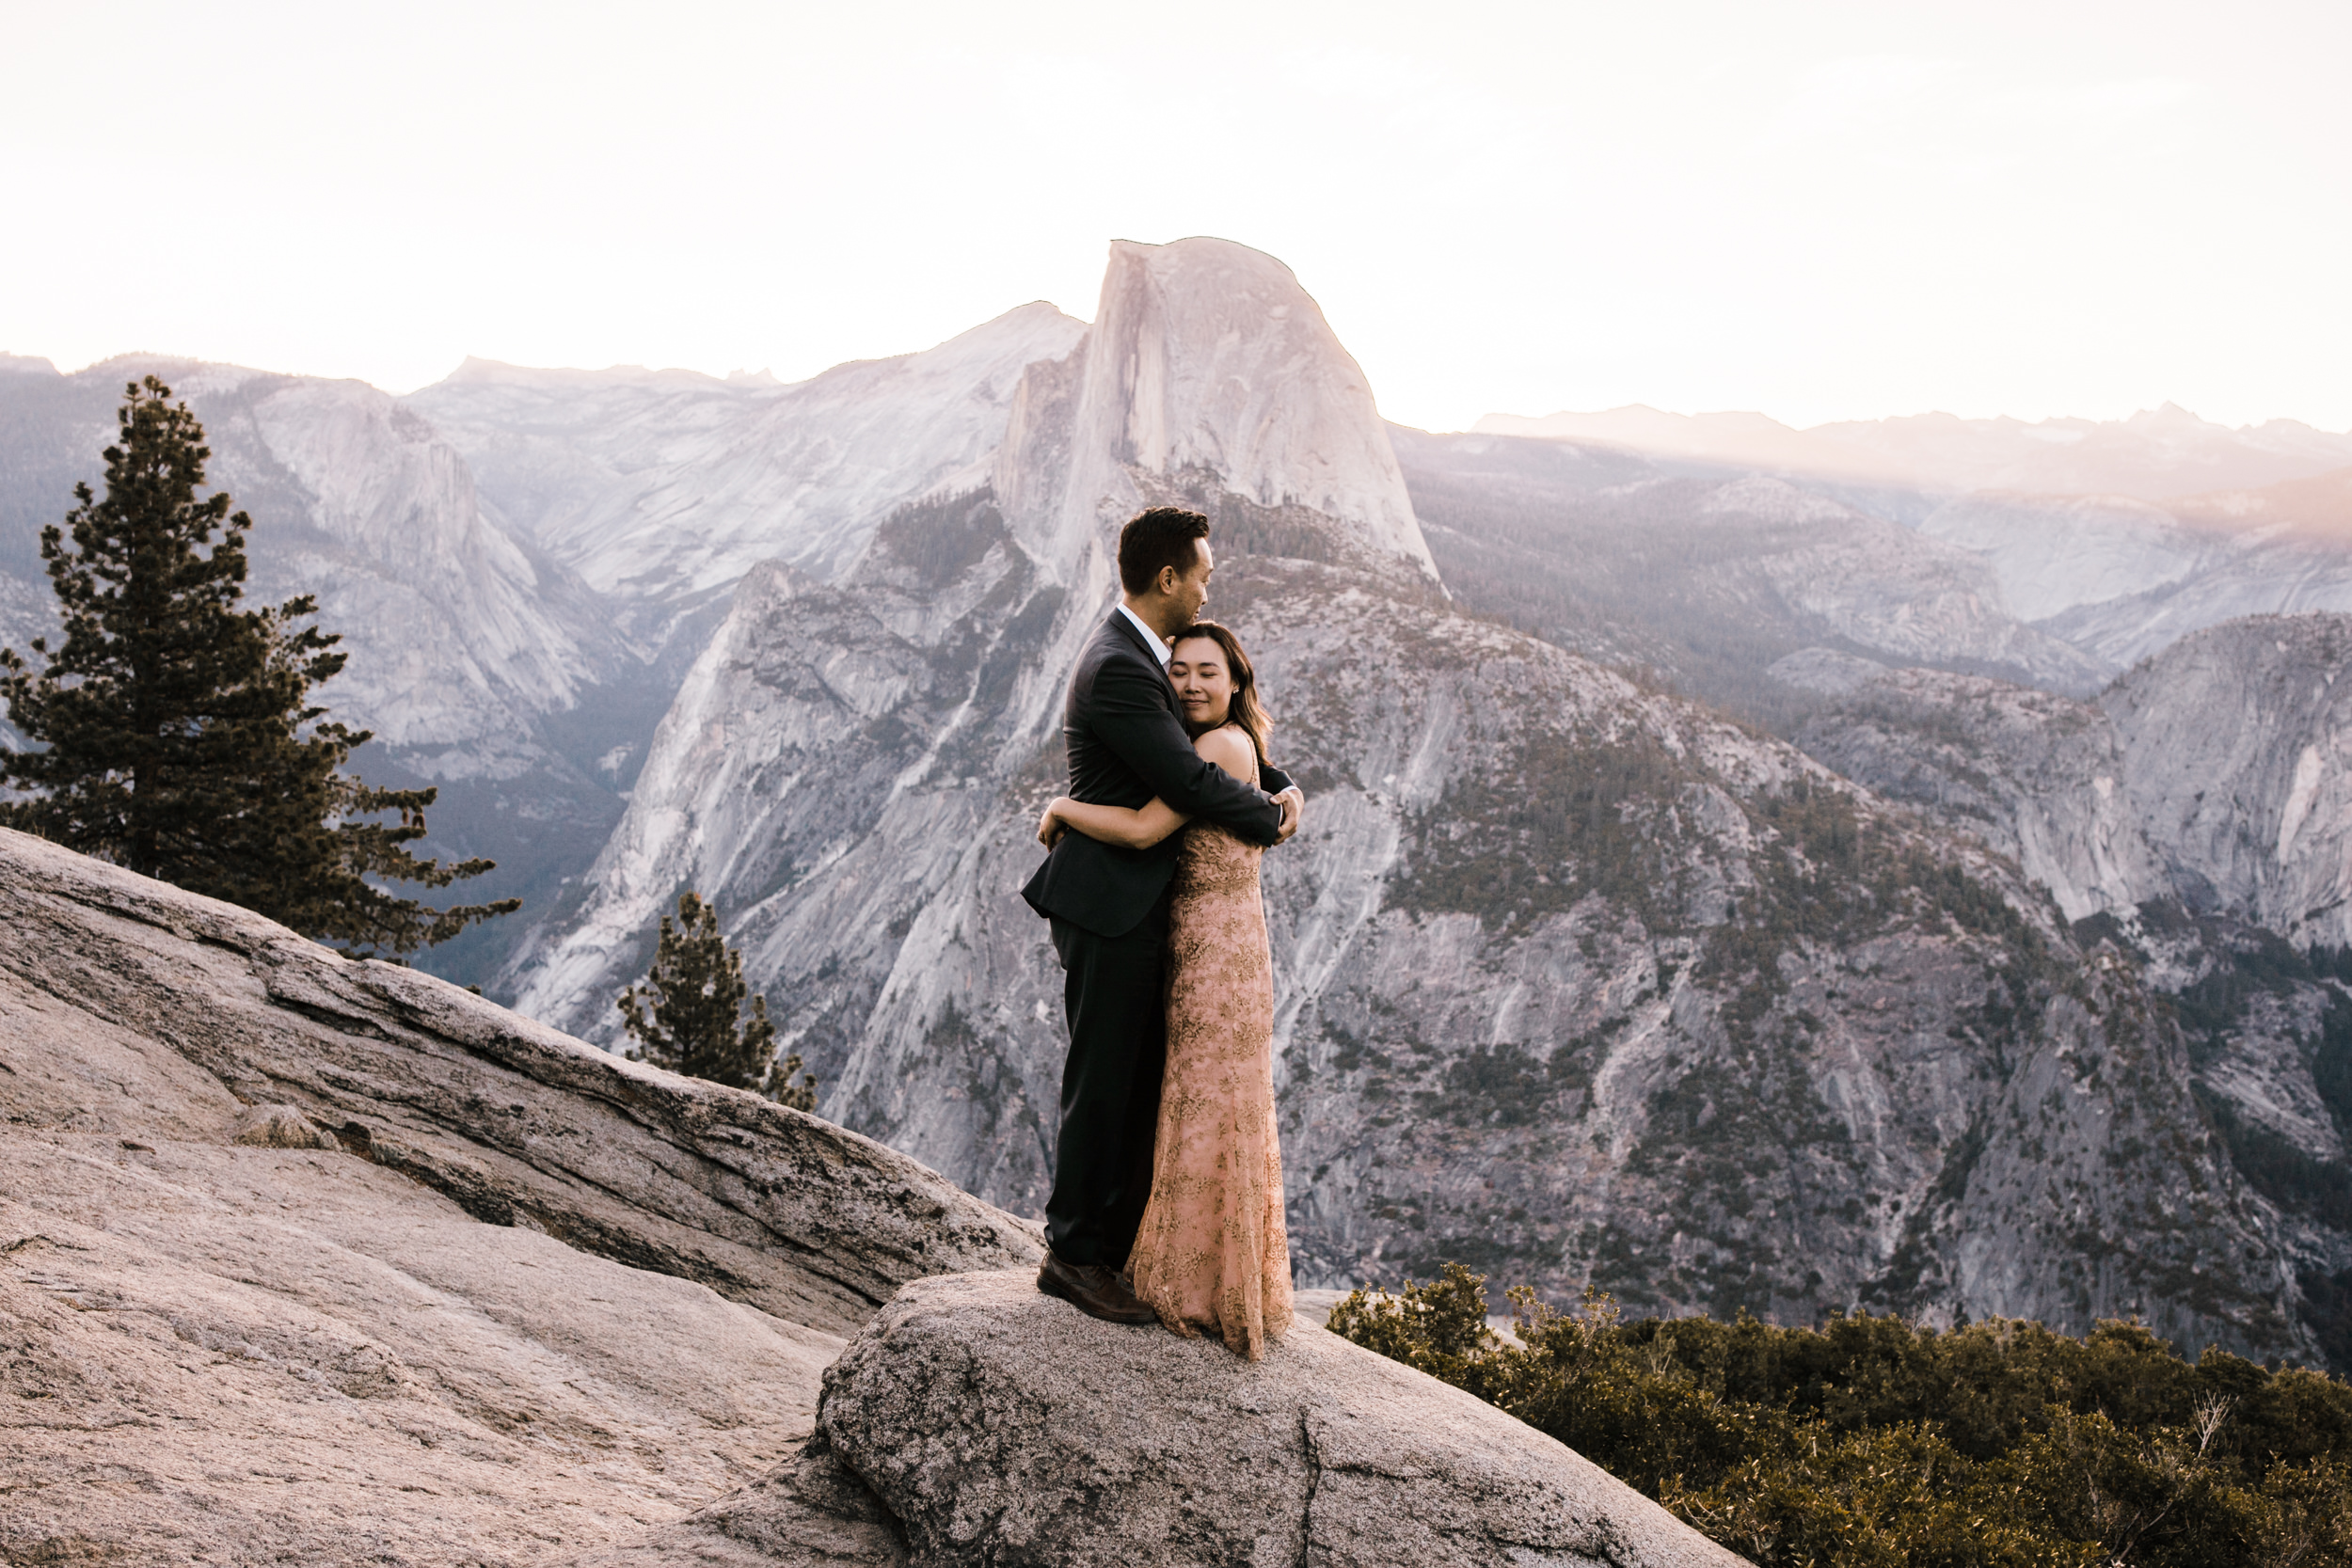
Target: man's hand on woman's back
point(1294, 804)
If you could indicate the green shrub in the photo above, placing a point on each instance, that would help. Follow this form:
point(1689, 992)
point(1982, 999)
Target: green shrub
point(1870, 1441)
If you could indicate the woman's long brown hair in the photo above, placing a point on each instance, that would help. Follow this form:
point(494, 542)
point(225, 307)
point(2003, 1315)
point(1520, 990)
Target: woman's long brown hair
point(1247, 710)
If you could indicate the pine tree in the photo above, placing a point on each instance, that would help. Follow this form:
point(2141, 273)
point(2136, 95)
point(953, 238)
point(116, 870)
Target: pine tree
point(686, 1015)
point(177, 734)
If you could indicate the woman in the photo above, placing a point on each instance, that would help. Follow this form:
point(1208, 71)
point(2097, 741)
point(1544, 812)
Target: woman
point(1213, 1253)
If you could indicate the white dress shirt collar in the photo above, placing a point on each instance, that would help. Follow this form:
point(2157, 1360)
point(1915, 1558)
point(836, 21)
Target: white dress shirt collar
point(1156, 642)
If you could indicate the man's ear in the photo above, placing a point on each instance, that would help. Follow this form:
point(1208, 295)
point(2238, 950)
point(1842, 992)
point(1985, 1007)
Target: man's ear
point(1168, 580)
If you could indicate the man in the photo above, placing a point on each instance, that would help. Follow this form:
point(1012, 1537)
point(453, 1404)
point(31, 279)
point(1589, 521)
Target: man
point(1108, 904)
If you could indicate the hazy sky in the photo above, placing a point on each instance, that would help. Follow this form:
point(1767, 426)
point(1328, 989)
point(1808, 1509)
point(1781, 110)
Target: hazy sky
point(1821, 211)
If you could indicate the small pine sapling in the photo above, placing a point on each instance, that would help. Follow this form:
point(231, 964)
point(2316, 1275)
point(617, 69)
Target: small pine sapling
point(688, 1014)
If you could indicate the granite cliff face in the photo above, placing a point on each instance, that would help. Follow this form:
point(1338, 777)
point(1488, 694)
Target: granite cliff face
point(2212, 775)
point(1206, 359)
point(1578, 982)
point(2194, 816)
point(2235, 744)
point(2036, 776)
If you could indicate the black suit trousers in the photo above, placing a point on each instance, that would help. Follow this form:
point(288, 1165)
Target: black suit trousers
point(1114, 993)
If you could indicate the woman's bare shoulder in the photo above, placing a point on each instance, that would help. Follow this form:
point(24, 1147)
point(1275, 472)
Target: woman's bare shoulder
point(1230, 750)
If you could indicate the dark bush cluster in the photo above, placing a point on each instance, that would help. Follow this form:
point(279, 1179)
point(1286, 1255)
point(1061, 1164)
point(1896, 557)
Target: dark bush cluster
point(1870, 1442)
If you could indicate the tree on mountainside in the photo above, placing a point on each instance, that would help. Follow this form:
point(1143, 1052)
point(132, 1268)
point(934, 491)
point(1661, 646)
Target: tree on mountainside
point(686, 1015)
point(176, 732)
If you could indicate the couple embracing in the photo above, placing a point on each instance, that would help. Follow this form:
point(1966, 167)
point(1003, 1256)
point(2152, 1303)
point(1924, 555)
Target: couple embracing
point(1166, 1203)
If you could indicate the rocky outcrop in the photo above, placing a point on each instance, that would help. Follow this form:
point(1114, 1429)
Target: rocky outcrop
point(219, 1354)
point(1003, 1427)
point(513, 1122)
point(310, 1258)
point(976, 1420)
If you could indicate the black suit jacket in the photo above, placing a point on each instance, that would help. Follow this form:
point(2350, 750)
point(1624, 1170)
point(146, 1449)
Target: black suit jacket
point(1127, 743)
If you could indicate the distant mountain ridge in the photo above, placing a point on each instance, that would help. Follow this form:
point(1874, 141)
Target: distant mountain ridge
point(1633, 557)
point(661, 489)
point(2154, 454)
point(2122, 581)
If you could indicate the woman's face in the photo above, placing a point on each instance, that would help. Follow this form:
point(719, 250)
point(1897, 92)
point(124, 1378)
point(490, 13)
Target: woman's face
point(1203, 683)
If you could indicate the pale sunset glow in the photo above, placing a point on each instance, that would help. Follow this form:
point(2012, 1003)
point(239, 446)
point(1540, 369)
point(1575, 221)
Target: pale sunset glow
point(1817, 211)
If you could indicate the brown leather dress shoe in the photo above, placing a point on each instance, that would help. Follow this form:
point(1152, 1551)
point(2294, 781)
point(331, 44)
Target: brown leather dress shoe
point(1095, 1289)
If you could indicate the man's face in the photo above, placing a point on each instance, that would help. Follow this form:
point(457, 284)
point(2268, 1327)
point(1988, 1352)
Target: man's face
point(1192, 590)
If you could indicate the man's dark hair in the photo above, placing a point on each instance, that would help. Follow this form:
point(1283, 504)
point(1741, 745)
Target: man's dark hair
point(1162, 536)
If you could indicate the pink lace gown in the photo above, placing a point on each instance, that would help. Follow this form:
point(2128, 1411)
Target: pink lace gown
point(1212, 1255)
